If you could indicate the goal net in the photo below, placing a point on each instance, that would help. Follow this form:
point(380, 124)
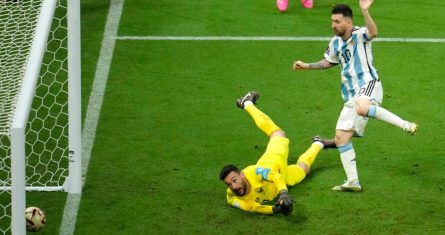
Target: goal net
point(39, 103)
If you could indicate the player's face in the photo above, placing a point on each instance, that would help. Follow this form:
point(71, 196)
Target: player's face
point(236, 182)
point(340, 24)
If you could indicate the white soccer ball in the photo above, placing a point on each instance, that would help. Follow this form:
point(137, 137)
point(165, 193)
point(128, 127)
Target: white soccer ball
point(35, 219)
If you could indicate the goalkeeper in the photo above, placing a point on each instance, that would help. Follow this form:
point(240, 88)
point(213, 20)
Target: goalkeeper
point(251, 188)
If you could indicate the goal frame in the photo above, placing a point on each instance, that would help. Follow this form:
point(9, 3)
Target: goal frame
point(73, 182)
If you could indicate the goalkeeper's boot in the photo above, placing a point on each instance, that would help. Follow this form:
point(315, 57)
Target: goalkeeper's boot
point(250, 96)
point(351, 185)
point(326, 143)
point(411, 128)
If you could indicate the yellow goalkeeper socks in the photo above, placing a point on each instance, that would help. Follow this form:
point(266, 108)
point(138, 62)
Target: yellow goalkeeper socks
point(261, 120)
point(309, 156)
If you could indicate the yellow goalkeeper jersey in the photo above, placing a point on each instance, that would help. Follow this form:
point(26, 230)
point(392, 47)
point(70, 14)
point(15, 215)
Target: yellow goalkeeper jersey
point(265, 184)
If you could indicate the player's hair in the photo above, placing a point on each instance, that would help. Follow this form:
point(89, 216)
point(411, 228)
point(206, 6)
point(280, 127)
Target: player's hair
point(343, 9)
point(226, 170)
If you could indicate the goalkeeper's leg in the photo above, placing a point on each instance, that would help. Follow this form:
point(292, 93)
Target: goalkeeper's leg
point(261, 119)
point(297, 172)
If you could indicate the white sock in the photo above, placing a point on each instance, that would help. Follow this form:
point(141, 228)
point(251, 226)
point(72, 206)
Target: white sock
point(247, 103)
point(347, 156)
point(319, 144)
point(382, 114)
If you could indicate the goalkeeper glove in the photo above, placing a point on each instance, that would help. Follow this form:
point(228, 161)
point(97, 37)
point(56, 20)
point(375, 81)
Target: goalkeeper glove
point(282, 209)
point(284, 205)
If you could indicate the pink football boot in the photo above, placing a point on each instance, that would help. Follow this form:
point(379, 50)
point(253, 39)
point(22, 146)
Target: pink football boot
point(307, 3)
point(282, 5)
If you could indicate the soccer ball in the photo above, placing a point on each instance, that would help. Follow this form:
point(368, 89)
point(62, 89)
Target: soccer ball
point(35, 219)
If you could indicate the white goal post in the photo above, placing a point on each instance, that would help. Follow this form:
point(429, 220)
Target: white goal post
point(40, 103)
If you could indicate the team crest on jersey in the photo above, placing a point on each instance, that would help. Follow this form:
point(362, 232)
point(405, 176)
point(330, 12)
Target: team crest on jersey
point(264, 172)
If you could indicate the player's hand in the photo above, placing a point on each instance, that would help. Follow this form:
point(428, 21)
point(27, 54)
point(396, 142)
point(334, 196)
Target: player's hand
point(365, 4)
point(285, 210)
point(282, 209)
point(276, 209)
point(285, 199)
point(285, 203)
point(300, 65)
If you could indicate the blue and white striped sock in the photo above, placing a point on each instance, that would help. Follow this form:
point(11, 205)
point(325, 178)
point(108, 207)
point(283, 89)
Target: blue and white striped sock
point(382, 114)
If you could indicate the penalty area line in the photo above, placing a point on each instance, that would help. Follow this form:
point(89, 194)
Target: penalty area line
point(265, 38)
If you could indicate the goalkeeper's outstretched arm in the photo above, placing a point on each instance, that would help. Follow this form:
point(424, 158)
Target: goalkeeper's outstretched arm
point(250, 206)
point(283, 206)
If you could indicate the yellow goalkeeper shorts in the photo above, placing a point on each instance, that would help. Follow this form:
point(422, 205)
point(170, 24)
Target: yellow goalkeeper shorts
point(276, 154)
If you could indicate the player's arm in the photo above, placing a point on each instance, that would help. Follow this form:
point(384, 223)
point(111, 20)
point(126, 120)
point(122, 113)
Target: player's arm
point(371, 31)
point(322, 64)
point(285, 202)
point(250, 206)
point(255, 207)
point(277, 179)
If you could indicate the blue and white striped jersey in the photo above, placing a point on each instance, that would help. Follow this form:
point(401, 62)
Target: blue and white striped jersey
point(355, 58)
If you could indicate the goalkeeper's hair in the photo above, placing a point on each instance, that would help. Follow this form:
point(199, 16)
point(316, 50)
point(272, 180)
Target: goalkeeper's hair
point(343, 9)
point(226, 170)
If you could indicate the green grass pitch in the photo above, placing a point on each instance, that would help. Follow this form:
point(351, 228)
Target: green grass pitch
point(169, 121)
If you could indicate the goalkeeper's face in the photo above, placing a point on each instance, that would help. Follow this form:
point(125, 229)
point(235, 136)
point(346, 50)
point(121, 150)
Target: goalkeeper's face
point(237, 183)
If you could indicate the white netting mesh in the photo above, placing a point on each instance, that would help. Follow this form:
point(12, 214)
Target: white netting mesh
point(47, 130)
point(17, 25)
point(5, 196)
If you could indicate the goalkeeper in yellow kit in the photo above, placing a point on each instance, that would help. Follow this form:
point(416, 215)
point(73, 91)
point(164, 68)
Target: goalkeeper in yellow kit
point(251, 188)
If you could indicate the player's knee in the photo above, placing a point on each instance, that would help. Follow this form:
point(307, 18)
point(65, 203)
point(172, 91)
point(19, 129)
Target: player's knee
point(279, 133)
point(362, 107)
point(305, 168)
point(362, 111)
point(338, 140)
point(341, 139)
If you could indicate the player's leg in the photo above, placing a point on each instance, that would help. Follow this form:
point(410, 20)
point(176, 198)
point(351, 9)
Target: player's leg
point(366, 107)
point(297, 172)
point(348, 160)
point(263, 121)
point(327, 144)
point(277, 151)
point(349, 124)
point(307, 3)
point(282, 5)
point(276, 154)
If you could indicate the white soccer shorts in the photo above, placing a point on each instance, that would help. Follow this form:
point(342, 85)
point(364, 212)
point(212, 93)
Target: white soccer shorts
point(349, 120)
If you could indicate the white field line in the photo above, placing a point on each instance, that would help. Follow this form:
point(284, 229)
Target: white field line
point(93, 111)
point(264, 38)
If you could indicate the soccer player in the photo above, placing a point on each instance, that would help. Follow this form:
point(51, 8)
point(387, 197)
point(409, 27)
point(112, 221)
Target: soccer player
point(361, 88)
point(251, 188)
